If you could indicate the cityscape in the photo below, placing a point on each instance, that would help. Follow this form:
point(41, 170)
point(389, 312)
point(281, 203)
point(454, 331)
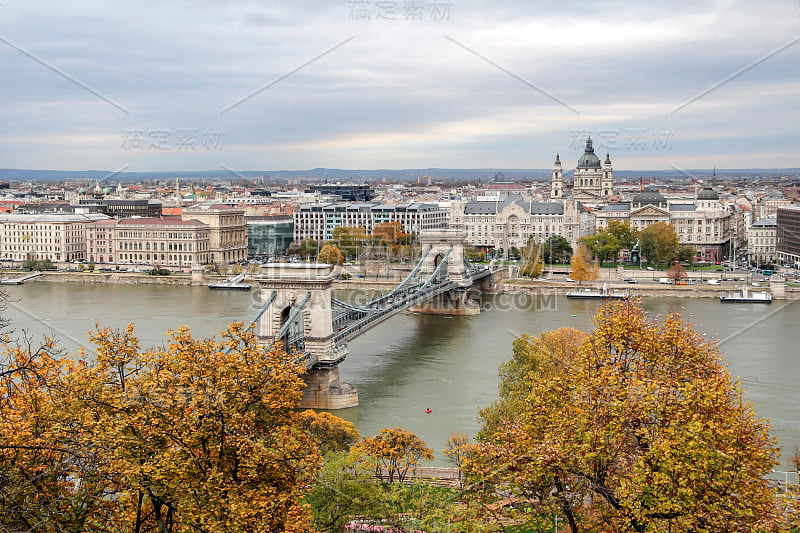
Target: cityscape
point(399, 266)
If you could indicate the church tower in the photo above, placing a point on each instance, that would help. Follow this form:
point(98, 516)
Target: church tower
point(557, 184)
point(608, 178)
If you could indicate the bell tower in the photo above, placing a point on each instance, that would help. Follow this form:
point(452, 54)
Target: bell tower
point(557, 183)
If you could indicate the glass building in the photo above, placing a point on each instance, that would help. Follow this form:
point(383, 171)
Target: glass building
point(267, 236)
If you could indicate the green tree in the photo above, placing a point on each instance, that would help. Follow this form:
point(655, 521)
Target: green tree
point(687, 253)
point(556, 248)
point(636, 427)
point(659, 242)
point(602, 245)
point(626, 235)
point(583, 266)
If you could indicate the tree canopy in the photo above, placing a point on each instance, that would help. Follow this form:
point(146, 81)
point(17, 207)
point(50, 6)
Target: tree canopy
point(197, 435)
point(602, 245)
point(583, 267)
point(634, 427)
point(330, 254)
point(659, 242)
point(556, 248)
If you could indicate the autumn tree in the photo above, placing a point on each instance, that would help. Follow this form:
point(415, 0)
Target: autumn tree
point(197, 435)
point(659, 242)
point(349, 239)
point(331, 255)
point(393, 452)
point(636, 427)
point(602, 244)
point(331, 433)
point(676, 273)
point(533, 266)
point(583, 267)
point(200, 434)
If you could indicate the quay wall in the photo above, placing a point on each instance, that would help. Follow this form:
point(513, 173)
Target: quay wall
point(509, 286)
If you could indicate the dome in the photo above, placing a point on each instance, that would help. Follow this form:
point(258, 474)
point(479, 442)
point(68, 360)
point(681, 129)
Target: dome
point(707, 194)
point(589, 159)
point(648, 197)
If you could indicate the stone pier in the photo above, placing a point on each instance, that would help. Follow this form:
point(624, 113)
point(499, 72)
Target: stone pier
point(454, 303)
point(292, 282)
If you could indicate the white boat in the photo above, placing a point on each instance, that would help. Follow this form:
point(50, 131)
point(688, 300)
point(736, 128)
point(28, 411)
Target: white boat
point(745, 296)
point(603, 294)
point(231, 284)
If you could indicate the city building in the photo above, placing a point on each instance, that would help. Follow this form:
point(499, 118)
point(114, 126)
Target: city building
point(121, 208)
point(788, 247)
point(762, 242)
point(346, 192)
point(592, 180)
point(227, 231)
point(268, 236)
point(318, 221)
point(703, 222)
point(57, 237)
point(155, 242)
point(507, 224)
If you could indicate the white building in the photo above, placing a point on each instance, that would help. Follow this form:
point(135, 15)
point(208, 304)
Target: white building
point(57, 237)
point(318, 221)
point(762, 241)
point(510, 223)
point(703, 222)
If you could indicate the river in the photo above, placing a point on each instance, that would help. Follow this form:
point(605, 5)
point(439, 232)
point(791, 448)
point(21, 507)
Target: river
point(448, 364)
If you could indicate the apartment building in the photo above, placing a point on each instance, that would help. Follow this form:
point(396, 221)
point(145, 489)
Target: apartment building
point(762, 241)
point(318, 221)
point(57, 237)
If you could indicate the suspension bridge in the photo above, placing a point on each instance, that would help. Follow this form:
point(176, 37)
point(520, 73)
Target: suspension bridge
point(299, 312)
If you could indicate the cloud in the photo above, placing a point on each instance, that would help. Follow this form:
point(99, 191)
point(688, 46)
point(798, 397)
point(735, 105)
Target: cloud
point(399, 94)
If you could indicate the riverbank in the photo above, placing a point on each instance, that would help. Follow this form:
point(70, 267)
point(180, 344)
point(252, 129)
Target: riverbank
point(509, 286)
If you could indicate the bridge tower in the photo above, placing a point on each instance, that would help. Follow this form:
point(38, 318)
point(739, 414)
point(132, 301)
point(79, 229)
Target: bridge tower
point(447, 243)
point(303, 296)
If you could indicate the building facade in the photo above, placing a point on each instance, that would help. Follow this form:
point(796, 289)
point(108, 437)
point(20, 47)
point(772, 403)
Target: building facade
point(703, 222)
point(788, 232)
point(160, 242)
point(317, 221)
point(59, 238)
point(762, 242)
point(268, 236)
point(507, 224)
point(227, 231)
point(122, 208)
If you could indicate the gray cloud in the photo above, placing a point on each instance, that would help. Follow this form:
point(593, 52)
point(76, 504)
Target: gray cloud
point(399, 94)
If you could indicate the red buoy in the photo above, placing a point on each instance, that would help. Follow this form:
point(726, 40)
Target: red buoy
point(428, 410)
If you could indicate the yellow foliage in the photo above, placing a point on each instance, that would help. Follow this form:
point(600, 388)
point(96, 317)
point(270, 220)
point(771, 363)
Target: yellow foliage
point(583, 267)
point(635, 427)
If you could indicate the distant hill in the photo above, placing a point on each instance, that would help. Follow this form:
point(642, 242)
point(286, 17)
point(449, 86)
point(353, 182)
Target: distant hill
point(335, 174)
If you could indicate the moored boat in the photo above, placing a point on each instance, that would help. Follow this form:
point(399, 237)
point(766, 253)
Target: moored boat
point(603, 294)
point(745, 296)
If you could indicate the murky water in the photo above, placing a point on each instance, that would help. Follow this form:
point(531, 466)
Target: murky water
point(413, 362)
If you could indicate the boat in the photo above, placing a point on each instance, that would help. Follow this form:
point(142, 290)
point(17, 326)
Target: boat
point(231, 284)
point(603, 294)
point(745, 296)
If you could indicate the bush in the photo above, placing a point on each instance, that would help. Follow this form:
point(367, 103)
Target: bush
point(159, 272)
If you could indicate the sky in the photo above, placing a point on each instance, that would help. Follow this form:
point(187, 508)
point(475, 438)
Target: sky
point(363, 84)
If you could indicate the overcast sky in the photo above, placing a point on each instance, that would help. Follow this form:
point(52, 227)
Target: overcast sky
point(251, 85)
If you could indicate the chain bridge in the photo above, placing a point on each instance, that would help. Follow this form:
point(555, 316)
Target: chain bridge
point(299, 312)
